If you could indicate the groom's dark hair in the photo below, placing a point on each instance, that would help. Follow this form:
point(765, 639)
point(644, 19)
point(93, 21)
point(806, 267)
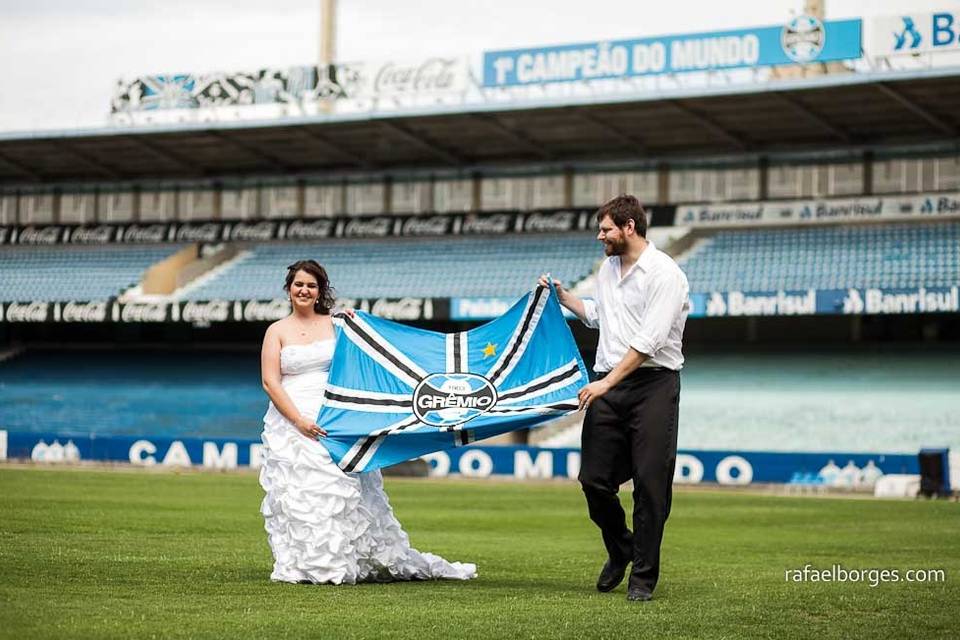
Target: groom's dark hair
point(623, 209)
point(325, 297)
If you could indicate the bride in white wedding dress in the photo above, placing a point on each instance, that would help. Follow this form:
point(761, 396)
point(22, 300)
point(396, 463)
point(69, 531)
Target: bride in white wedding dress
point(323, 525)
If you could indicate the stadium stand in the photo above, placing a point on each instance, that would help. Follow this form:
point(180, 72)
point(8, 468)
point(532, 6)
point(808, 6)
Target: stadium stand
point(837, 257)
point(814, 400)
point(474, 266)
point(123, 392)
point(55, 274)
point(828, 257)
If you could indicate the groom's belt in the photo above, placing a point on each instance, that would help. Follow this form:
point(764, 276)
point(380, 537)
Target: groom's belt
point(638, 372)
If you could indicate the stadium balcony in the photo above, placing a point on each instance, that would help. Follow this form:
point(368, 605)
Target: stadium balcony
point(830, 257)
point(860, 256)
point(448, 267)
point(472, 266)
point(838, 111)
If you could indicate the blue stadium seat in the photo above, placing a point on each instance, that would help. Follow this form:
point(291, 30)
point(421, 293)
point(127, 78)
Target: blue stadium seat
point(64, 273)
point(448, 267)
point(118, 392)
point(830, 257)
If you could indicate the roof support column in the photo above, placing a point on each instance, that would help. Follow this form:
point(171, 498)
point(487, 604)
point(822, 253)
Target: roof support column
point(764, 178)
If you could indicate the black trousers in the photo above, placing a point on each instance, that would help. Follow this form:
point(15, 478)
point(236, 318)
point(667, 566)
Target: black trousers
point(631, 433)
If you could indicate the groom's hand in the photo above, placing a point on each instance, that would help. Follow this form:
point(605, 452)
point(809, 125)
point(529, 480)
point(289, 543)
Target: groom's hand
point(591, 392)
point(543, 281)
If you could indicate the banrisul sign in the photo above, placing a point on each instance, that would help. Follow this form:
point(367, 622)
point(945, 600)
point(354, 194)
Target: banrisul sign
point(875, 301)
point(821, 211)
point(915, 33)
point(776, 303)
point(897, 301)
point(803, 39)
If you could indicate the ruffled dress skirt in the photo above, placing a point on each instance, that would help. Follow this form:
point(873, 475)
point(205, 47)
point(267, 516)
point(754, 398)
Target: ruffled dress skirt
point(326, 526)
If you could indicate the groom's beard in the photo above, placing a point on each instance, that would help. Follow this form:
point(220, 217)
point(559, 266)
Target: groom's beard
point(615, 247)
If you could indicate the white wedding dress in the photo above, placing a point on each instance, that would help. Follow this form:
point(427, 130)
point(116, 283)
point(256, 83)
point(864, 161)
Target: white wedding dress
point(323, 525)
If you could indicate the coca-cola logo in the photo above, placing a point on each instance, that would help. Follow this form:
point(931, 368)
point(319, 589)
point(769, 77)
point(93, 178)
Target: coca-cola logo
point(259, 311)
point(92, 235)
point(206, 312)
point(208, 232)
point(402, 309)
point(433, 74)
point(41, 235)
point(28, 312)
point(497, 223)
point(148, 233)
point(257, 231)
point(432, 226)
point(143, 312)
point(84, 312)
point(560, 221)
point(309, 230)
point(369, 227)
point(357, 304)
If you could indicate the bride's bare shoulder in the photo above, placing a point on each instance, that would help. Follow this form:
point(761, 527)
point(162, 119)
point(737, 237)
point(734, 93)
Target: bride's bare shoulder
point(278, 327)
point(282, 322)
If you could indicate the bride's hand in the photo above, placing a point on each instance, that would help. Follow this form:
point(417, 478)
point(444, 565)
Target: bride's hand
point(310, 429)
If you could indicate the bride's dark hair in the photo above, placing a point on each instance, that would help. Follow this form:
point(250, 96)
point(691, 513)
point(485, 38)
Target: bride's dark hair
point(325, 297)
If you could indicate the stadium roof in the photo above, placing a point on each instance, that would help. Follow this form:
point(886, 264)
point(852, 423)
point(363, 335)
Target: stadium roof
point(832, 111)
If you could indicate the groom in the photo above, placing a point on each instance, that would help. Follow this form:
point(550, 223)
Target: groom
point(630, 428)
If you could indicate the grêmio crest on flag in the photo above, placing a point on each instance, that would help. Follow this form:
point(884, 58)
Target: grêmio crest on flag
point(397, 392)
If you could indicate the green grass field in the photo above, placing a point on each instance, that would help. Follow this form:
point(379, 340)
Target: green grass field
point(121, 554)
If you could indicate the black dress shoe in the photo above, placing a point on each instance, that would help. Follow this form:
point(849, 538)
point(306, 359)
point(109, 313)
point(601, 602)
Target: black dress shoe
point(638, 594)
point(611, 575)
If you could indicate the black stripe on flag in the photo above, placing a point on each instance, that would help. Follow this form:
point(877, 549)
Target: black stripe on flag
point(370, 440)
point(386, 353)
point(381, 402)
point(456, 353)
point(559, 406)
point(523, 330)
point(367, 443)
point(567, 373)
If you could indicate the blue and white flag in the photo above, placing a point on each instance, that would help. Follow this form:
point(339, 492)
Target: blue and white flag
point(397, 392)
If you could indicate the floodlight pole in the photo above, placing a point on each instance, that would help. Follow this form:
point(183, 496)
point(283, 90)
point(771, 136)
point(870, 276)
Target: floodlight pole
point(327, 45)
point(328, 32)
point(815, 8)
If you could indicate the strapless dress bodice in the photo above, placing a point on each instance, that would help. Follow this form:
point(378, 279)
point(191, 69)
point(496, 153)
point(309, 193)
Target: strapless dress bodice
point(297, 359)
point(304, 369)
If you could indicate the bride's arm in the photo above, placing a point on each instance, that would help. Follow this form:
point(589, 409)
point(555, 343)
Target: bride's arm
point(270, 374)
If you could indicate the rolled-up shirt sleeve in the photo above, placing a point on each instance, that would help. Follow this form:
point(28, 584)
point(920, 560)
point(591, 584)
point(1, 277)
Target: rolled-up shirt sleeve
point(666, 296)
point(591, 315)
